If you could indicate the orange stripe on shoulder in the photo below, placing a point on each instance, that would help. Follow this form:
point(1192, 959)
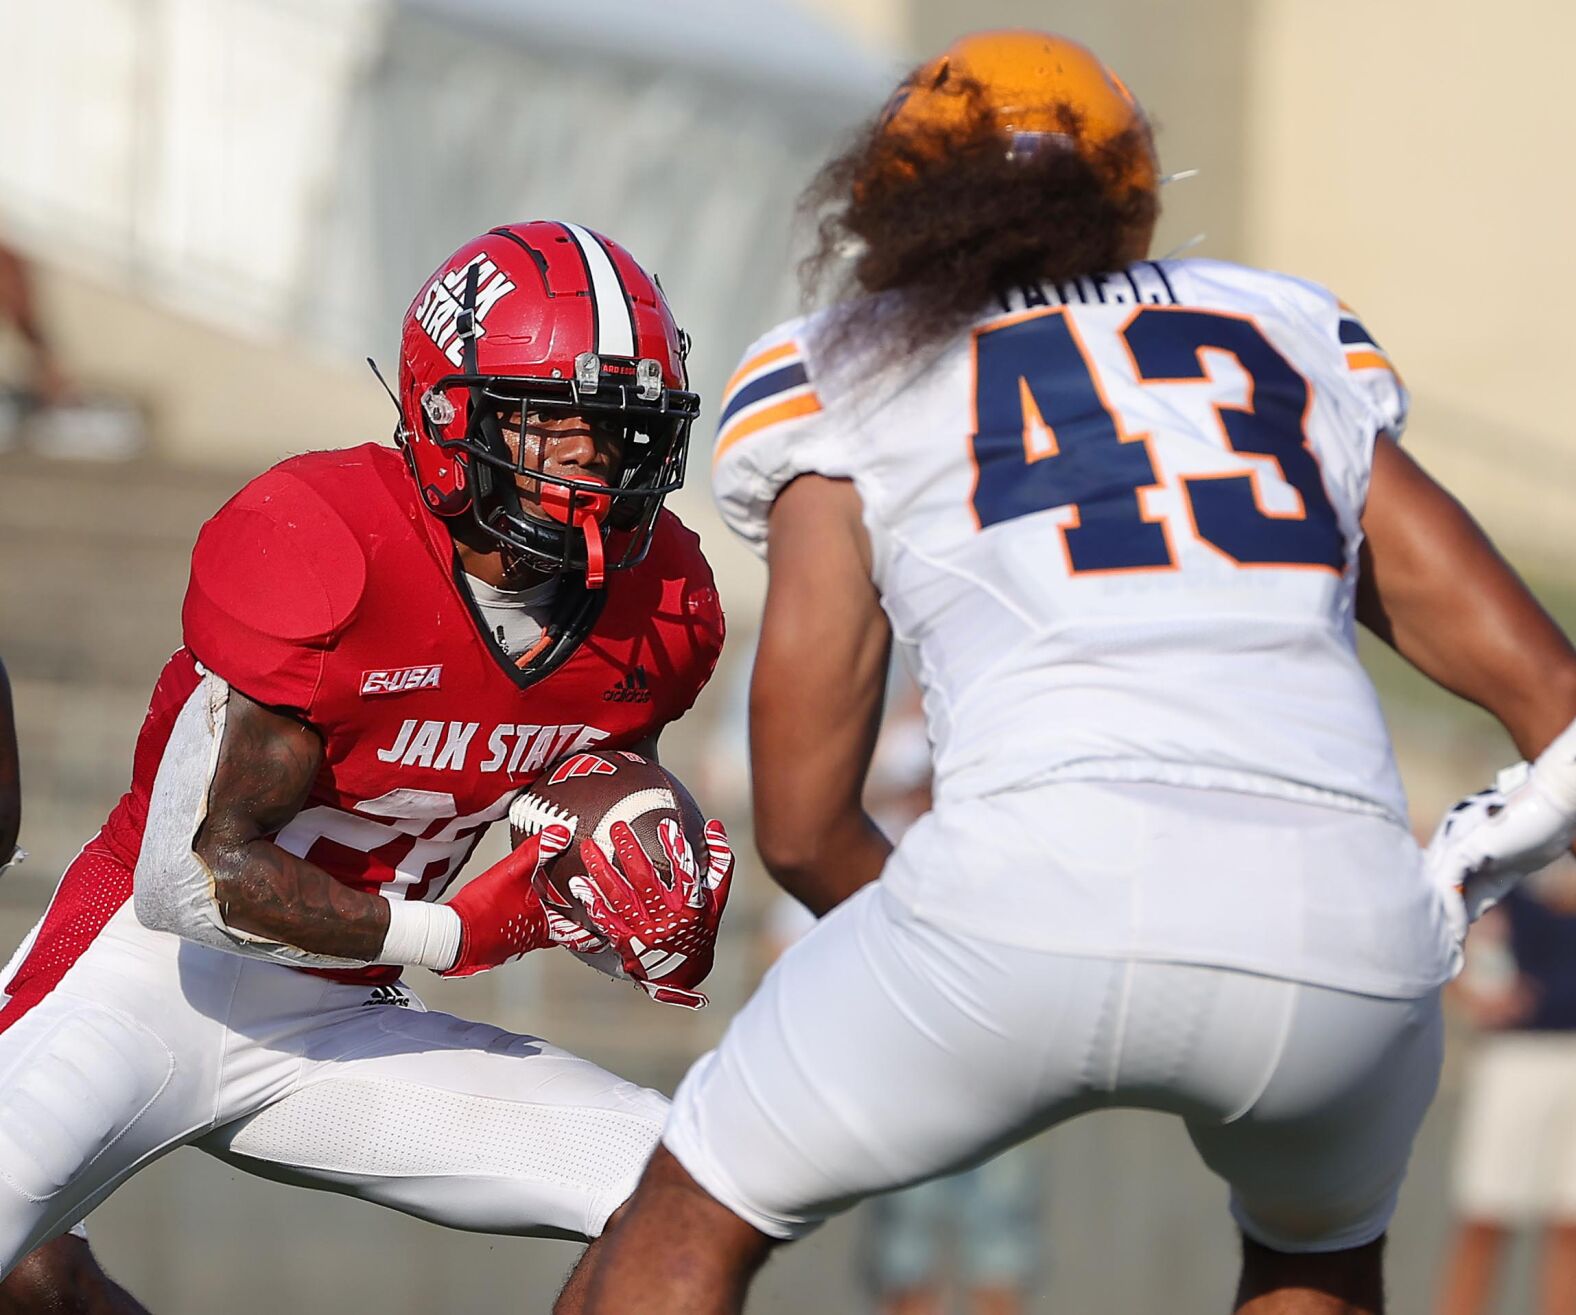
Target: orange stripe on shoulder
point(770, 356)
point(1368, 361)
point(788, 409)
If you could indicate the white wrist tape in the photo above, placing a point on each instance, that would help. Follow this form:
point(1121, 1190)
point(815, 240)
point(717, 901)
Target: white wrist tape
point(421, 936)
point(1554, 774)
point(1537, 819)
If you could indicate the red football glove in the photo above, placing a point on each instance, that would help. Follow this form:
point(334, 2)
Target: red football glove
point(501, 916)
point(663, 935)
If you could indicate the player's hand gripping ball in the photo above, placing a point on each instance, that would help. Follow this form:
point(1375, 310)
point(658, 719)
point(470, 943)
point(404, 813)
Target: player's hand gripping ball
point(640, 890)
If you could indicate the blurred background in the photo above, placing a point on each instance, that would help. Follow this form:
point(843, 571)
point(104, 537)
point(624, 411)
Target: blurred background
point(220, 207)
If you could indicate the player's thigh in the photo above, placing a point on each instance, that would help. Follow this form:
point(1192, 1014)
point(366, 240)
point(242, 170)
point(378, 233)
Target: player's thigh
point(88, 1093)
point(879, 1051)
point(116, 1064)
point(456, 1122)
point(1316, 1161)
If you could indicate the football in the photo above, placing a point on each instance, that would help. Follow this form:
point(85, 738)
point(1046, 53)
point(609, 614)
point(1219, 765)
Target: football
point(588, 792)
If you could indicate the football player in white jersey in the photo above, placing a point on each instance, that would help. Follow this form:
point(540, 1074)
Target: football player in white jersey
point(1122, 516)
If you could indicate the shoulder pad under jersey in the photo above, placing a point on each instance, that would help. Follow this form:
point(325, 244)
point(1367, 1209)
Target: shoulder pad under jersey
point(689, 604)
point(276, 575)
point(1372, 374)
point(772, 429)
point(1332, 331)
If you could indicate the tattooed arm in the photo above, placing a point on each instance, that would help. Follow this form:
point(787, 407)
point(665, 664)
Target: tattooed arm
point(266, 765)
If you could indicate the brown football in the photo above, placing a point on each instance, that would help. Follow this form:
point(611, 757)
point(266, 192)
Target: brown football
point(588, 792)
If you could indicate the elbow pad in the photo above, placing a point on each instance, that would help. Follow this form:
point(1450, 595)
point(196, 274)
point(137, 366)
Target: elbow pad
point(173, 890)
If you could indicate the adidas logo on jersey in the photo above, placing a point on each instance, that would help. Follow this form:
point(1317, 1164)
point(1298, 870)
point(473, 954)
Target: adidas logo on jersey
point(400, 680)
point(387, 995)
point(634, 688)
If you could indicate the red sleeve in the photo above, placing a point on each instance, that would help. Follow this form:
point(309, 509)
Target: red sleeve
point(693, 602)
point(276, 576)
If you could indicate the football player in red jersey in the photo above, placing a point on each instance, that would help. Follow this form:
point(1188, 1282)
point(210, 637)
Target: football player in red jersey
point(373, 666)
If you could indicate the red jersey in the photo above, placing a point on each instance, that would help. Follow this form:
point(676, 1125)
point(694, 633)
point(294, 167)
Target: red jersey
point(326, 588)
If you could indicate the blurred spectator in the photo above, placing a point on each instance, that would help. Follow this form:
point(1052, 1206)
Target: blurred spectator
point(40, 398)
point(43, 381)
point(980, 1227)
point(991, 1214)
point(1516, 1146)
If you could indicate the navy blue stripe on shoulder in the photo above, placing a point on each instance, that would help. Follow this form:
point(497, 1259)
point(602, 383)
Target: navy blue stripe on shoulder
point(778, 381)
point(1353, 333)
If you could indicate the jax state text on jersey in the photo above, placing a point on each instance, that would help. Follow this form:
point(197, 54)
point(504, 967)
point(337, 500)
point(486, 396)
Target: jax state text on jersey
point(446, 745)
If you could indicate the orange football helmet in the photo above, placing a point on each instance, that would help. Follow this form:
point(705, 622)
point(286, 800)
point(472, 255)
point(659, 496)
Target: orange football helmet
point(1036, 88)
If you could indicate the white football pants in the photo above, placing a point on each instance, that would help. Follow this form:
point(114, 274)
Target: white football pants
point(150, 1042)
point(882, 1050)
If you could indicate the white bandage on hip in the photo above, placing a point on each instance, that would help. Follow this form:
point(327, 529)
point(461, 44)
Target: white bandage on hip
point(421, 935)
point(173, 889)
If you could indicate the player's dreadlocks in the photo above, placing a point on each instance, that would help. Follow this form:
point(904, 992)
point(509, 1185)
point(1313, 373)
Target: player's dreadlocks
point(942, 217)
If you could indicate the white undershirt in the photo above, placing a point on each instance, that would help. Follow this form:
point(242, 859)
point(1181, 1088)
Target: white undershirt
point(516, 618)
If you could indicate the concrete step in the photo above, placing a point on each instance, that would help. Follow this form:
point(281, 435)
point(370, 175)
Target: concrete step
point(136, 502)
point(93, 564)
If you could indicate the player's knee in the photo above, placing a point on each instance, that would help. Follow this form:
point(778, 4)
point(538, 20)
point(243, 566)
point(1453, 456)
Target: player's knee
point(668, 1192)
point(1354, 1276)
point(667, 1180)
point(49, 1278)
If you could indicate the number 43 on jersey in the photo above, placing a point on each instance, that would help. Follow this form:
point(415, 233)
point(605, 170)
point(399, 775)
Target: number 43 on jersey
point(1046, 436)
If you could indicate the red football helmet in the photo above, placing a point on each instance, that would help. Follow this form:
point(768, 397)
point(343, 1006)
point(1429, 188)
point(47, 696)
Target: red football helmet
point(545, 318)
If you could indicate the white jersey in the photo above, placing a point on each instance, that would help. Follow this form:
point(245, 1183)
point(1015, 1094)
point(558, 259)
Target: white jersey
point(1115, 527)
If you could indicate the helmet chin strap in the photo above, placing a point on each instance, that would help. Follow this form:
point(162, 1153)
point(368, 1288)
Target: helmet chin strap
point(583, 511)
point(596, 565)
